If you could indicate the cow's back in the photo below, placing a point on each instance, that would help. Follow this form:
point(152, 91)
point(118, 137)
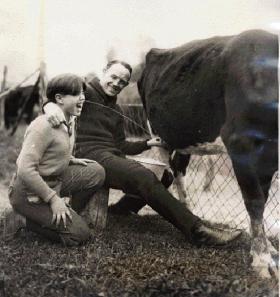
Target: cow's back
point(183, 89)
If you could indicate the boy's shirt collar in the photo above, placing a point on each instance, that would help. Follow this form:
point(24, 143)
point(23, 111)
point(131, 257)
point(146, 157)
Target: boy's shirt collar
point(69, 126)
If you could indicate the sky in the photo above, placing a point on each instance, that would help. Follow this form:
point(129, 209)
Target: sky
point(76, 35)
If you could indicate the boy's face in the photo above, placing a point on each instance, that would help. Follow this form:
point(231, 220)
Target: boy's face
point(72, 105)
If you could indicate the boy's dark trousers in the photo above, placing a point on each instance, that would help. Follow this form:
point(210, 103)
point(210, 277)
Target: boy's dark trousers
point(79, 182)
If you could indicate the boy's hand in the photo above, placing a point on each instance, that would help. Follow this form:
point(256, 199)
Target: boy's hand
point(54, 114)
point(83, 162)
point(59, 210)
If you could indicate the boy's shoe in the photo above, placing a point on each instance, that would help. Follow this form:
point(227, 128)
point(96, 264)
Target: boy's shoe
point(13, 222)
point(95, 212)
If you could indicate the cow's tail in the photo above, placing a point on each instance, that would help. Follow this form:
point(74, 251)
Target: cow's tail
point(140, 86)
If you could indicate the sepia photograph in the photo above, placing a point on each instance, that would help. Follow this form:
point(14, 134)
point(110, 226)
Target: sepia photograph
point(139, 148)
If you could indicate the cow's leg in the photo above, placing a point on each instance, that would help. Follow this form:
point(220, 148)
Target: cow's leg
point(265, 184)
point(254, 199)
point(273, 251)
point(179, 164)
point(7, 123)
point(180, 187)
point(265, 177)
point(262, 251)
point(209, 177)
point(245, 155)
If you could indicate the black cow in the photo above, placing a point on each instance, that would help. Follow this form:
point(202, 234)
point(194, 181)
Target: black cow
point(227, 86)
point(26, 98)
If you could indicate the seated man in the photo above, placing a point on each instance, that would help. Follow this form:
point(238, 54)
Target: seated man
point(44, 175)
point(101, 137)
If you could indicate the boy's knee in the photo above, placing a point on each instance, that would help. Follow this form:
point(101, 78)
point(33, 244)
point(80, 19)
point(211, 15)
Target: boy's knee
point(78, 233)
point(97, 175)
point(100, 172)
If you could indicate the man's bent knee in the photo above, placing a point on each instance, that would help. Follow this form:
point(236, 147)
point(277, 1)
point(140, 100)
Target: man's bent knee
point(144, 177)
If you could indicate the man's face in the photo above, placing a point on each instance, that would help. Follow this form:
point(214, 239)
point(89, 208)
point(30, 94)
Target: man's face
point(114, 79)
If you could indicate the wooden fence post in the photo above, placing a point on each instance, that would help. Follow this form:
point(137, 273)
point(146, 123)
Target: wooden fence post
point(42, 85)
point(20, 115)
point(2, 102)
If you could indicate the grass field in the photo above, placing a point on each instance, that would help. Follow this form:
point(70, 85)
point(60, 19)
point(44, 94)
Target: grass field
point(138, 255)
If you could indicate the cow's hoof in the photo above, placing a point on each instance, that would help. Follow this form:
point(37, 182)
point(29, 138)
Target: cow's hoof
point(272, 250)
point(264, 265)
point(205, 234)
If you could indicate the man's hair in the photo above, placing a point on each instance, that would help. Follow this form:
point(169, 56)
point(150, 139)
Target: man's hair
point(126, 65)
point(65, 84)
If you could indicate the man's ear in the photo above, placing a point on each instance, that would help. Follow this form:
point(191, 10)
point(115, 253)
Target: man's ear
point(58, 98)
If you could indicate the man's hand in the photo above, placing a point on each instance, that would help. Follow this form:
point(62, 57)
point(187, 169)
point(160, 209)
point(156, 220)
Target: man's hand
point(156, 141)
point(59, 210)
point(83, 162)
point(54, 114)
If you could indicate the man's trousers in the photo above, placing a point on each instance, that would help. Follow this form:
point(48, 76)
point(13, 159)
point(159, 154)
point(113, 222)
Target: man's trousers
point(133, 178)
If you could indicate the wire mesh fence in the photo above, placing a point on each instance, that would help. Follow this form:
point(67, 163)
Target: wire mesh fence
point(210, 183)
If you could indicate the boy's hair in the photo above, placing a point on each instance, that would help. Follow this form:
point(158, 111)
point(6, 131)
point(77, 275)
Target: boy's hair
point(65, 84)
point(126, 65)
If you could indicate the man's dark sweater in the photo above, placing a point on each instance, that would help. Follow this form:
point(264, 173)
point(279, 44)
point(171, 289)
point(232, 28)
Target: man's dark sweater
point(101, 126)
point(100, 136)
